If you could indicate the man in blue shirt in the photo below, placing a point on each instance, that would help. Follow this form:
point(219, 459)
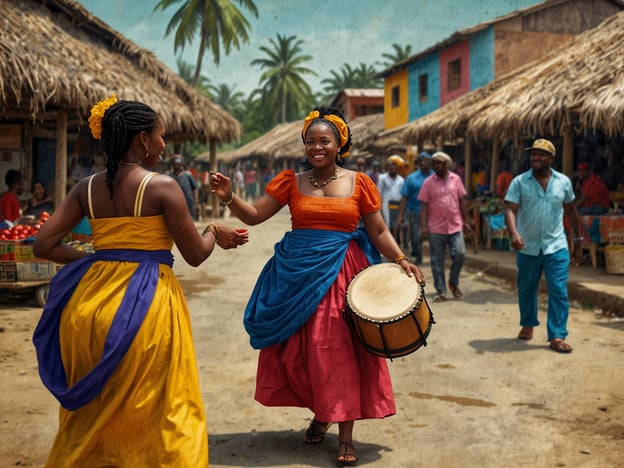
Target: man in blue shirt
point(409, 199)
point(534, 206)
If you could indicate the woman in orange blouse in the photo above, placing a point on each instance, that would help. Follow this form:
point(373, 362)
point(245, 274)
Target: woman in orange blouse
point(308, 357)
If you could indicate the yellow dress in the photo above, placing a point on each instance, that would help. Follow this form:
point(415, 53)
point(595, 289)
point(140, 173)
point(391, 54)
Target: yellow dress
point(150, 413)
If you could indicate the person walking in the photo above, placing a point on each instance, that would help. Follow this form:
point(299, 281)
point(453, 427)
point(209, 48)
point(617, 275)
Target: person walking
point(186, 181)
point(308, 357)
point(389, 185)
point(443, 219)
point(114, 342)
point(534, 207)
point(409, 202)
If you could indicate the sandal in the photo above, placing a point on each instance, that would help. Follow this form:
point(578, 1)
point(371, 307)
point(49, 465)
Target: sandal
point(455, 290)
point(560, 346)
point(526, 333)
point(439, 298)
point(346, 454)
point(315, 434)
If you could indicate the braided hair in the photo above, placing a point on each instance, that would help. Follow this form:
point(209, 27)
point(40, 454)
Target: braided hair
point(120, 124)
point(344, 148)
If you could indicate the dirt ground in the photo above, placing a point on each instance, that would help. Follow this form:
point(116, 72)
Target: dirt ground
point(474, 397)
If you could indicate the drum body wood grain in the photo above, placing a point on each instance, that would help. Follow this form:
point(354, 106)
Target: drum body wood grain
point(387, 311)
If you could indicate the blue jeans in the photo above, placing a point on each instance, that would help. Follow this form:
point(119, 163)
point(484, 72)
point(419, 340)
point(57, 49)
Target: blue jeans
point(415, 239)
point(556, 271)
point(393, 222)
point(437, 249)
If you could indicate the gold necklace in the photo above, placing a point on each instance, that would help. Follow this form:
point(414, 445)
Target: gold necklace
point(314, 182)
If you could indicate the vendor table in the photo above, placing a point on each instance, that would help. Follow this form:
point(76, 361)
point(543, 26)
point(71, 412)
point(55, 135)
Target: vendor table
point(596, 229)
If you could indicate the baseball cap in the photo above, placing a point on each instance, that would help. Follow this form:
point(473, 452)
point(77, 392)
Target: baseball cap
point(424, 155)
point(543, 145)
point(583, 167)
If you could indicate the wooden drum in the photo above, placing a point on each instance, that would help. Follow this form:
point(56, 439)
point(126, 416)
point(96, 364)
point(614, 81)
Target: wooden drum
point(387, 311)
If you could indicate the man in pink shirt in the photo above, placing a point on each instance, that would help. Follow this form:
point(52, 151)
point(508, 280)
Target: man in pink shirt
point(444, 223)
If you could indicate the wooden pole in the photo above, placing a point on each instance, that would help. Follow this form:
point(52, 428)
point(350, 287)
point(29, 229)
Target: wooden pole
point(494, 165)
point(60, 180)
point(567, 161)
point(468, 166)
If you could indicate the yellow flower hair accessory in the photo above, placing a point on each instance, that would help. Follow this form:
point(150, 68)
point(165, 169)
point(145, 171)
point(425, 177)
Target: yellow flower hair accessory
point(341, 126)
point(97, 114)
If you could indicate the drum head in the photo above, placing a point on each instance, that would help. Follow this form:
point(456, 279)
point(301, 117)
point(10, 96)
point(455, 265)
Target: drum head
point(383, 293)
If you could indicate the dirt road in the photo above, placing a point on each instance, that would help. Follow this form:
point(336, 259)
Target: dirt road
point(474, 397)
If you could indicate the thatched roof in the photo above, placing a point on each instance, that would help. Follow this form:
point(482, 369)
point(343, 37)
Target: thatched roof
point(581, 83)
point(284, 141)
point(55, 54)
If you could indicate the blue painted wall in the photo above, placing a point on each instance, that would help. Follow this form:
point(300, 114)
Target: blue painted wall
point(481, 58)
point(431, 66)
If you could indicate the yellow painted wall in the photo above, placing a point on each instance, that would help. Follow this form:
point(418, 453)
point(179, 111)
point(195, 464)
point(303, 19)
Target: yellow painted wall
point(395, 116)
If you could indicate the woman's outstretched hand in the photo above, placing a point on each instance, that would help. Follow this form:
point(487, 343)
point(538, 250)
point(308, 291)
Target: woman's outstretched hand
point(230, 238)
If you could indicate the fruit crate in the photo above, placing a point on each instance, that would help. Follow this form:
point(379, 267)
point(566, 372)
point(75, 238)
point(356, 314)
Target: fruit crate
point(17, 251)
point(614, 253)
point(23, 272)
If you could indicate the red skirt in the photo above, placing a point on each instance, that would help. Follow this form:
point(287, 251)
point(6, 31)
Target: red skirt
point(323, 367)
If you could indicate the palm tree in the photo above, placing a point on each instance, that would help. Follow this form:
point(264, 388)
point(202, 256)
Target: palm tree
point(218, 21)
point(349, 77)
point(399, 54)
point(227, 97)
point(187, 72)
point(282, 85)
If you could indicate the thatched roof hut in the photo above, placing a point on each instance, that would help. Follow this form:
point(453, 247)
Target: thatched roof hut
point(55, 54)
point(283, 142)
point(575, 89)
point(57, 60)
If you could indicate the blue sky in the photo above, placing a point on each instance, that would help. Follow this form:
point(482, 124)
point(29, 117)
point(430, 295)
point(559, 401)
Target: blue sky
point(334, 32)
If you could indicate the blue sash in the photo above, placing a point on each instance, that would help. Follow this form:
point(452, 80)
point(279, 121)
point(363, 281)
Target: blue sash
point(305, 264)
point(123, 328)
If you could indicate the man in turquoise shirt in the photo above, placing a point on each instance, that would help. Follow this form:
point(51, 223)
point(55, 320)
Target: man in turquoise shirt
point(534, 206)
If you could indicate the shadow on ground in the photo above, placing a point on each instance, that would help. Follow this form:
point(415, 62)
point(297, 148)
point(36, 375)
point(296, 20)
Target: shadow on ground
point(282, 448)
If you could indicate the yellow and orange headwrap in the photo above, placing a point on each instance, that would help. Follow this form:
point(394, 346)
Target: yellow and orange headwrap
point(336, 121)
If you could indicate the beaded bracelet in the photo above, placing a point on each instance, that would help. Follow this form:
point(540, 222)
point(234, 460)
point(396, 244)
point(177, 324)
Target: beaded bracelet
point(213, 229)
point(400, 258)
point(230, 200)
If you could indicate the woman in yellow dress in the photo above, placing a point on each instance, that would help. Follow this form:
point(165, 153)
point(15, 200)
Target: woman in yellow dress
point(114, 342)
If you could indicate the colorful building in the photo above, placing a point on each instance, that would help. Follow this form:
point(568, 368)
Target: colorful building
point(473, 57)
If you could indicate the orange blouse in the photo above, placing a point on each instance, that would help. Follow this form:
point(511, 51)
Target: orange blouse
point(331, 213)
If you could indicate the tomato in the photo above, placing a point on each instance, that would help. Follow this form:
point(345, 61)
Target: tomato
point(5, 232)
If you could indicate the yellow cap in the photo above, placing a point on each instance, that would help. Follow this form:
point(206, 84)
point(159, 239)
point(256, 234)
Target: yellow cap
point(542, 144)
